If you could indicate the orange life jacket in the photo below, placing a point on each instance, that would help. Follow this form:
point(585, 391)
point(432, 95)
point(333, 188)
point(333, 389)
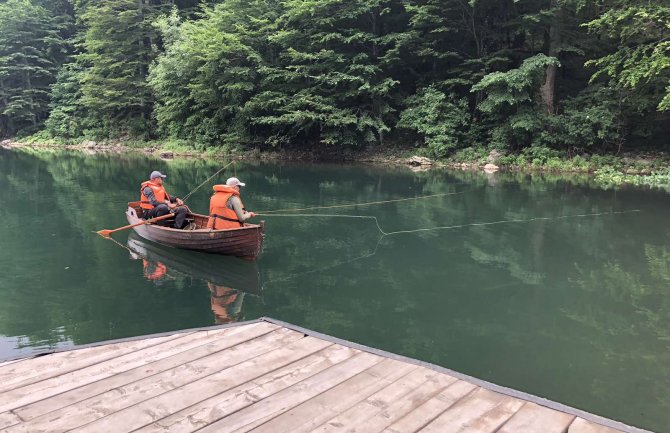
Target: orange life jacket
point(220, 216)
point(159, 192)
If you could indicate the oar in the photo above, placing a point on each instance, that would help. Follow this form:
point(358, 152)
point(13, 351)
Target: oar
point(106, 233)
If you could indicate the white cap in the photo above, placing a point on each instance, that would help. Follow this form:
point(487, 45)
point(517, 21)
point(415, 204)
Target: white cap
point(233, 181)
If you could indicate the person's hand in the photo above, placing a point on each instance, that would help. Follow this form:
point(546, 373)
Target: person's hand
point(172, 205)
point(252, 214)
point(180, 202)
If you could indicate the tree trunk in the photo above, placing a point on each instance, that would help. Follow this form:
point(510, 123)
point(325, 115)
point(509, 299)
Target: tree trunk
point(548, 89)
point(8, 123)
point(29, 88)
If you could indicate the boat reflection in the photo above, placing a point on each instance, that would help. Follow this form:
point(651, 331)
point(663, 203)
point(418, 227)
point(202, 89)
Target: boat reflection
point(229, 279)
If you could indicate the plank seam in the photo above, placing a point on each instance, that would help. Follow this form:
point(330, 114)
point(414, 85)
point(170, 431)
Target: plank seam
point(291, 386)
point(128, 339)
point(384, 379)
point(140, 379)
point(458, 400)
point(212, 396)
point(596, 419)
point(35, 380)
point(65, 371)
point(382, 409)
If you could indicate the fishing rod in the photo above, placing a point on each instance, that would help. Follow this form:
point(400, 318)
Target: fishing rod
point(207, 180)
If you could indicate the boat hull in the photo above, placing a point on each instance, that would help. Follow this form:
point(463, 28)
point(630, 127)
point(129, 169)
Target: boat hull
point(245, 242)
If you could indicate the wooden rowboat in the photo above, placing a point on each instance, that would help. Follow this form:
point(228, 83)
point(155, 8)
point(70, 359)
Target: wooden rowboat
point(245, 242)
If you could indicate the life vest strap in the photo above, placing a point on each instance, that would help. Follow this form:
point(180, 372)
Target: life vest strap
point(235, 220)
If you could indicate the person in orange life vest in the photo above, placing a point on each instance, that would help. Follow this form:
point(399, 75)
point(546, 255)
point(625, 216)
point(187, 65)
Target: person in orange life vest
point(157, 202)
point(226, 210)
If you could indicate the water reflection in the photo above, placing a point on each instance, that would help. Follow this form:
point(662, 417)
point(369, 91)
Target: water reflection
point(228, 279)
point(573, 309)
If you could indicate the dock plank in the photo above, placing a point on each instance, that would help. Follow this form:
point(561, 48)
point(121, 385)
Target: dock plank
point(580, 425)
point(217, 407)
point(481, 412)
point(263, 377)
point(392, 410)
point(161, 406)
point(2, 364)
point(58, 384)
point(22, 374)
point(254, 415)
point(133, 394)
point(314, 412)
point(431, 409)
point(233, 336)
point(532, 418)
point(373, 405)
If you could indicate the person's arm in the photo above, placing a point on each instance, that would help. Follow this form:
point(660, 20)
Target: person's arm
point(242, 215)
point(176, 200)
point(149, 194)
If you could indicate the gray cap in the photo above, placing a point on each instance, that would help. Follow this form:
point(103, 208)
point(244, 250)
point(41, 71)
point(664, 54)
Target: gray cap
point(233, 181)
point(156, 174)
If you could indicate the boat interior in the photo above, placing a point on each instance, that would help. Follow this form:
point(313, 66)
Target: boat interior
point(194, 221)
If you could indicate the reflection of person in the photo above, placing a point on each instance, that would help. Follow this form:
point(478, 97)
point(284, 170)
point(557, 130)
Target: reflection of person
point(156, 202)
point(153, 271)
point(226, 210)
point(223, 298)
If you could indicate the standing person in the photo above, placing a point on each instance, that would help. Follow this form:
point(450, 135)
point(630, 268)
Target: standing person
point(156, 202)
point(226, 210)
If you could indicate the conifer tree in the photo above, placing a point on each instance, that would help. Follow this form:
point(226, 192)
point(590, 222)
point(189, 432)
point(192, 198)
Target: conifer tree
point(31, 50)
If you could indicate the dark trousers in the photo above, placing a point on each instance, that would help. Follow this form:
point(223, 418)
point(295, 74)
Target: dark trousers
point(162, 209)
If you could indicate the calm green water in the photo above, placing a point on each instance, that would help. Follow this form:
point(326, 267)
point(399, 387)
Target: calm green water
point(573, 309)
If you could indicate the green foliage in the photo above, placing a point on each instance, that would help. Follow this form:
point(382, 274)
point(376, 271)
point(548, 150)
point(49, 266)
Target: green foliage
point(447, 74)
point(514, 88)
point(331, 83)
point(512, 103)
point(609, 176)
point(68, 115)
point(643, 56)
point(441, 119)
point(593, 119)
point(210, 70)
point(31, 49)
point(118, 49)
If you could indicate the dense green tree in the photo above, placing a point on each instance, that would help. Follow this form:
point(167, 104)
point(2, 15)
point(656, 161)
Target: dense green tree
point(211, 68)
point(333, 83)
point(446, 74)
point(642, 58)
point(31, 49)
point(117, 48)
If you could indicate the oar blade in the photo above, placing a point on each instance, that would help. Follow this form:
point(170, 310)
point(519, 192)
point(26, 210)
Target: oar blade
point(105, 233)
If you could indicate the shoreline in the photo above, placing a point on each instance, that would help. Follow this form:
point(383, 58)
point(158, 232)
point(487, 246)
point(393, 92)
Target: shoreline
point(636, 169)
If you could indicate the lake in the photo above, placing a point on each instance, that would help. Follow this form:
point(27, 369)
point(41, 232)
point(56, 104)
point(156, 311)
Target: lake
point(543, 283)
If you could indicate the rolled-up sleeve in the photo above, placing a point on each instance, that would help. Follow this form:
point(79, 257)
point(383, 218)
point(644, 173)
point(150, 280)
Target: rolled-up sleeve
point(242, 215)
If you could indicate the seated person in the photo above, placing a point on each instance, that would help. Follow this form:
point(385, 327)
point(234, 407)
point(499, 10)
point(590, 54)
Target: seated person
point(226, 210)
point(155, 201)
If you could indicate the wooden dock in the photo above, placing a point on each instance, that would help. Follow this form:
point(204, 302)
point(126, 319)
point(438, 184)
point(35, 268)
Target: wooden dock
point(263, 376)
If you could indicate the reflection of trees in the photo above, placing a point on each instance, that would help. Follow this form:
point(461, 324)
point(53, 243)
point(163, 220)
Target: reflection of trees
point(60, 282)
point(572, 309)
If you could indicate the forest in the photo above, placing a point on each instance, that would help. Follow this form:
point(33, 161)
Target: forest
point(532, 76)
